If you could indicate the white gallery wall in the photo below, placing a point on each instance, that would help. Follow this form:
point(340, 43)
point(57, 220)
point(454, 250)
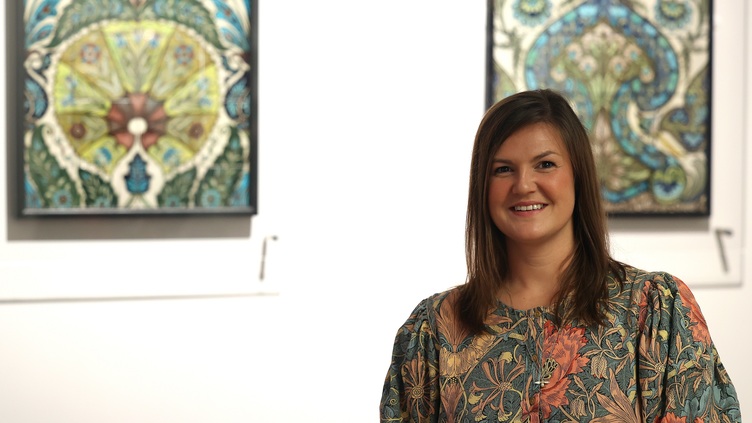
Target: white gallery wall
point(367, 113)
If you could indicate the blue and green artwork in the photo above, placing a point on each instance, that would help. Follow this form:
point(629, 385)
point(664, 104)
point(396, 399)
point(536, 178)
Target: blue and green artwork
point(637, 73)
point(138, 106)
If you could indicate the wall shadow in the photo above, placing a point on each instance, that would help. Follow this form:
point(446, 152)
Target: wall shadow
point(631, 224)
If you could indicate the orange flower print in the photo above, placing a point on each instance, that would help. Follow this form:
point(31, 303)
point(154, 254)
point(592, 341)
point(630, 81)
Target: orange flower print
point(643, 306)
point(419, 380)
point(697, 323)
point(671, 418)
point(457, 356)
point(530, 412)
point(561, 351)
point(450, 398)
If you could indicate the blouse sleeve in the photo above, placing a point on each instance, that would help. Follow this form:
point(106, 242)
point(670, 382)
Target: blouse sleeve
point(680, 376)
point(411, 389)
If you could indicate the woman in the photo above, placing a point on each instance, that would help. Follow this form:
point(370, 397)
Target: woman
point(549, 327)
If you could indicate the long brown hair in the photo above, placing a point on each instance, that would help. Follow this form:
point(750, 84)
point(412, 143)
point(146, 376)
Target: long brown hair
point(584, 282)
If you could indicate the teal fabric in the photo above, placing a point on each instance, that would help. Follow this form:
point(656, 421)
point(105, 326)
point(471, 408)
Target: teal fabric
point(653, 361)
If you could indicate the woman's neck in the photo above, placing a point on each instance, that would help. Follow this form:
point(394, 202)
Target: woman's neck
point(534, 275)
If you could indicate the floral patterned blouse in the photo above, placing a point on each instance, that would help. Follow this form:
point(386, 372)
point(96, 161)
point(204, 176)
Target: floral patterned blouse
point(653, 361)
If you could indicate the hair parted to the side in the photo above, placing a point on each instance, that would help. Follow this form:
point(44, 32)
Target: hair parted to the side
point(584, 282)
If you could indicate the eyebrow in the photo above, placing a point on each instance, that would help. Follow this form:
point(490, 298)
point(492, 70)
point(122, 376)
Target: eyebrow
point(538, 157)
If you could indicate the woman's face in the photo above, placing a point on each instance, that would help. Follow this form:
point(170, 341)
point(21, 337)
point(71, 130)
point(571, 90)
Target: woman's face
point(531, 188)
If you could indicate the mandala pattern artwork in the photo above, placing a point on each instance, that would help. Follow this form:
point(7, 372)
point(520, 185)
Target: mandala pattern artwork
point(137, 105)
point(638, 75)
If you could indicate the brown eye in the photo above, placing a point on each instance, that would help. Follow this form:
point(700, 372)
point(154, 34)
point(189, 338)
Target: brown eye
point(501, 169)
point(547, 165)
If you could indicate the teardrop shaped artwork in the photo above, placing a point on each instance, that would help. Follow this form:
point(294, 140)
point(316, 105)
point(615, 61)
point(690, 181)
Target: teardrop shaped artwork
point(139, 107)
point(636, 72)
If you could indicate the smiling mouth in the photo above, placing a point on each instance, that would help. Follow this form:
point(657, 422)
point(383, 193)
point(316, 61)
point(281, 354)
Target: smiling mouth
point(528, 208)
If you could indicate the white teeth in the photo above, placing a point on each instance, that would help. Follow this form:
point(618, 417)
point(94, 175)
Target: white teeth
point(528, 208)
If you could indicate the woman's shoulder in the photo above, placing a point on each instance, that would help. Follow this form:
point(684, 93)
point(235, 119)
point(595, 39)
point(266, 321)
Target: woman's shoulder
point(434, 307)
point(656, 291)
point(663, 283)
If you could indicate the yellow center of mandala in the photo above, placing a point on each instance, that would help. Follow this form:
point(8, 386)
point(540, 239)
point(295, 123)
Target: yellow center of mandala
point(128, 83)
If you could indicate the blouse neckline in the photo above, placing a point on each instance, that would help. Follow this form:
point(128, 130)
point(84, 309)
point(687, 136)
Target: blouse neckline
point(530, 312)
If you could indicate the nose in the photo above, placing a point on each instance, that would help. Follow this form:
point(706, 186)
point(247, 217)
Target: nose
point(524, 182)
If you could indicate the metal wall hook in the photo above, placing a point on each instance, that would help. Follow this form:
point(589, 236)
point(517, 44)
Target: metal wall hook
point(263, 255)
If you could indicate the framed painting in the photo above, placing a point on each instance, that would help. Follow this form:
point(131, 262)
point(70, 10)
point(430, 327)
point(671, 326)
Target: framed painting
point(136, 107)
point(637, 72)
